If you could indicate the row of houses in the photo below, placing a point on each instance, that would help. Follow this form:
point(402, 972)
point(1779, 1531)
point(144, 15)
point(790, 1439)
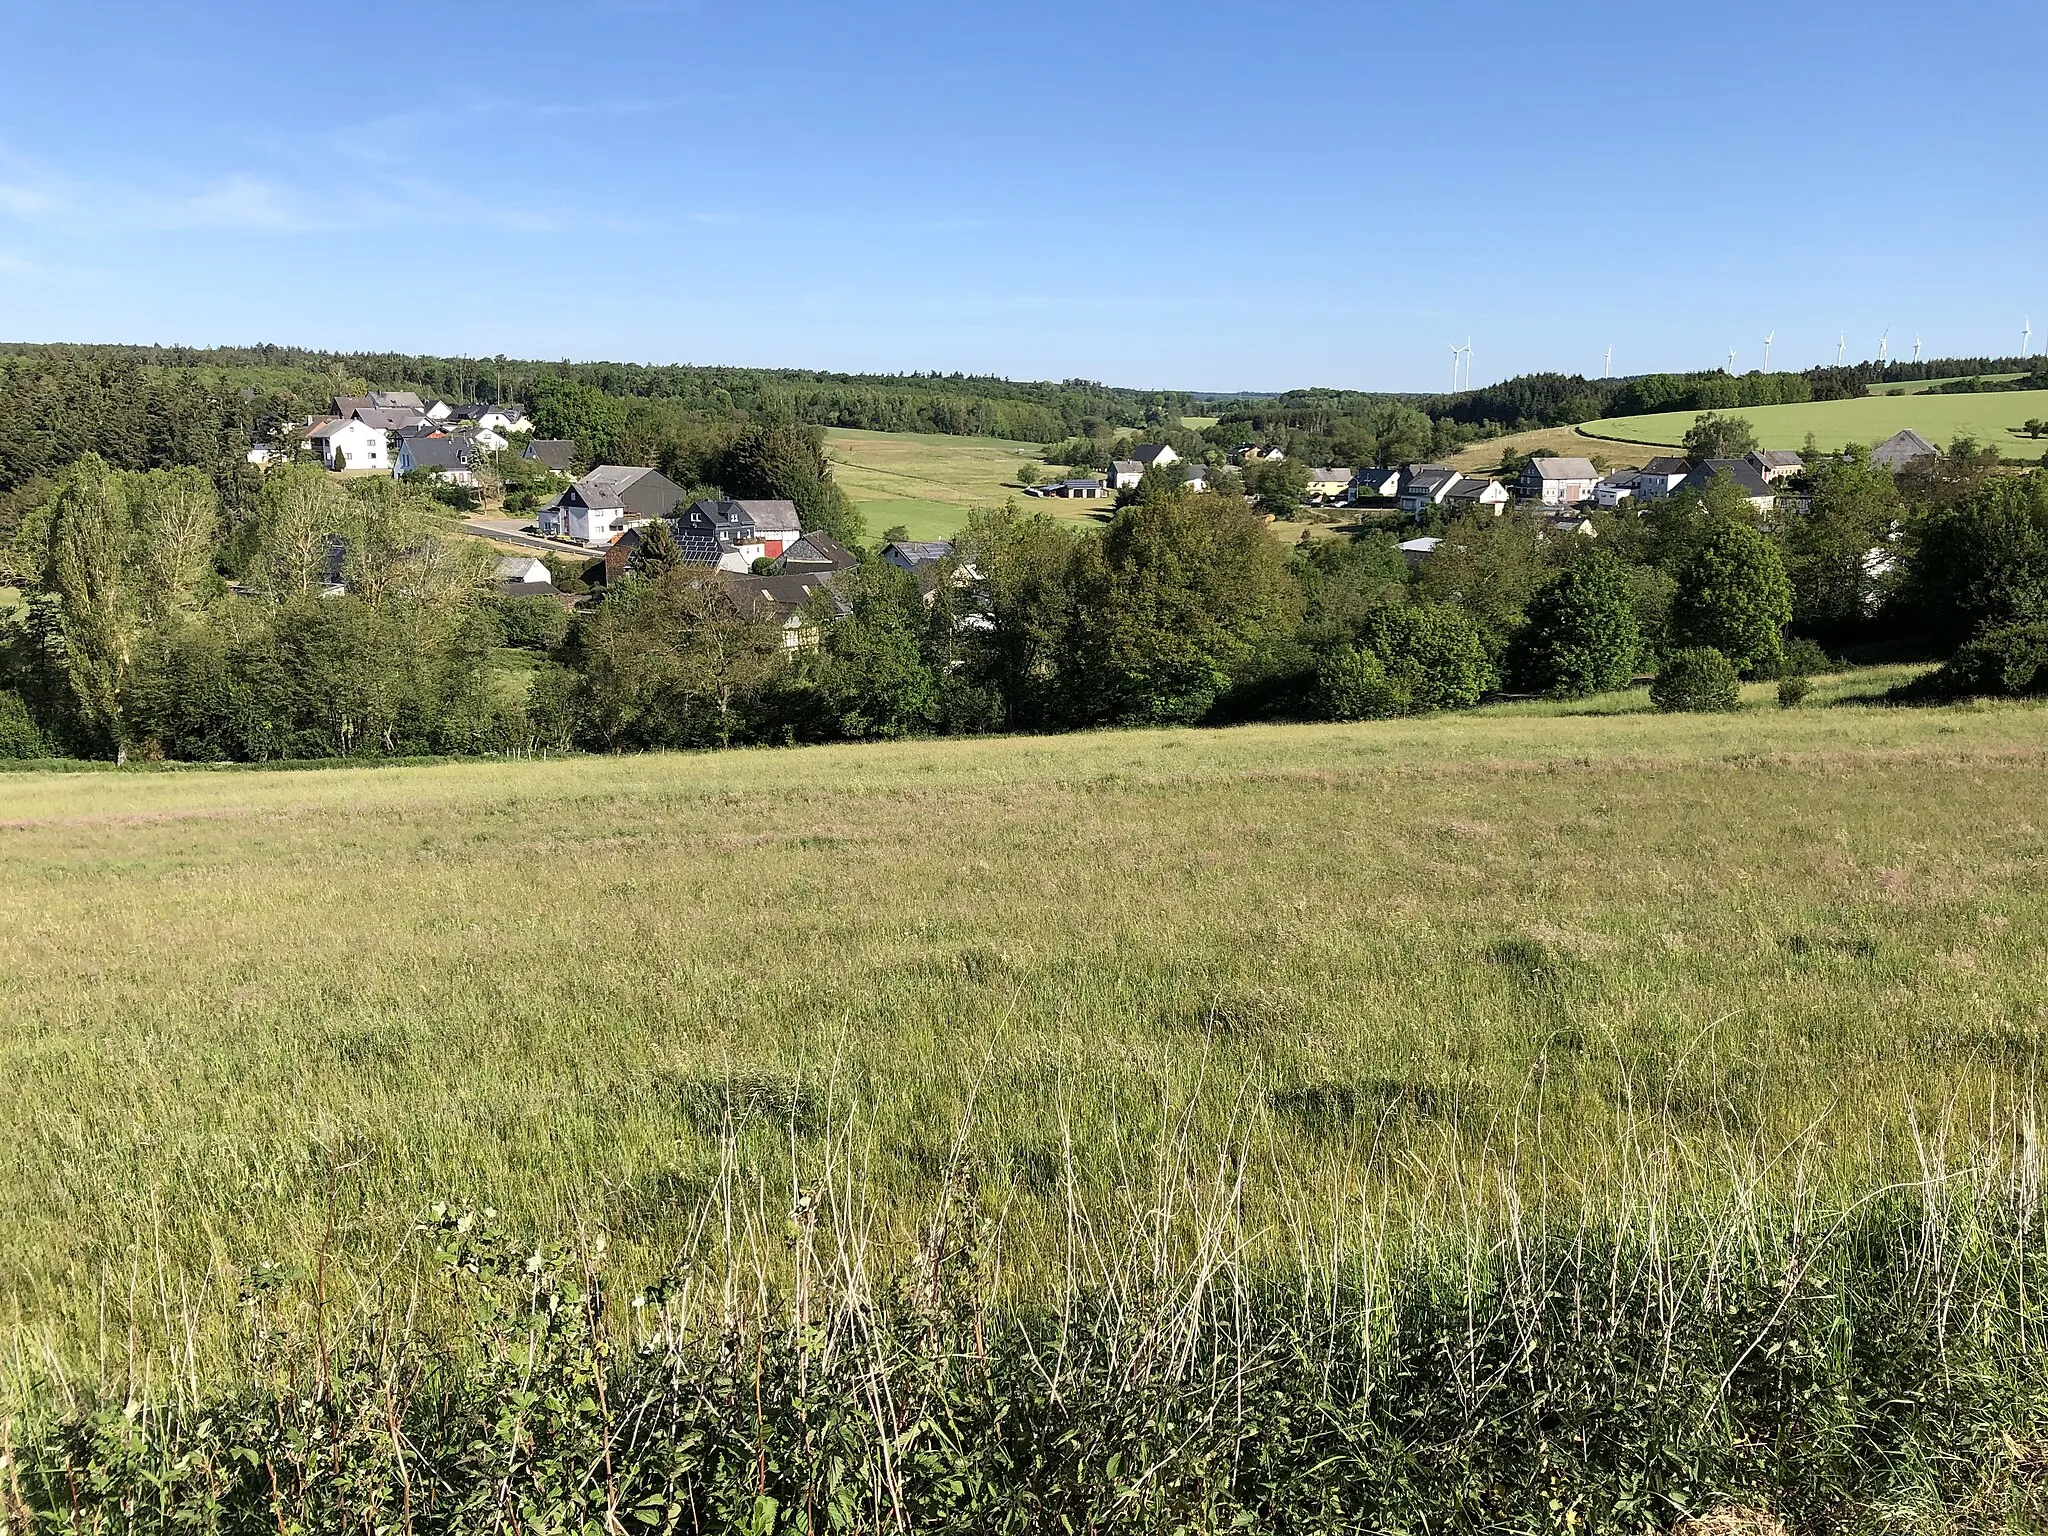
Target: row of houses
point(398, 431)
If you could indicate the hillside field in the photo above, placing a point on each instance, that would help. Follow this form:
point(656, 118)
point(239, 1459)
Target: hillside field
point(929, 482)
point(252, 1017)
point(1993, 420)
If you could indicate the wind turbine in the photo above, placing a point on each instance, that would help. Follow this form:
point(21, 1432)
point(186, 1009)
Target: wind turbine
point(1468, 359)
point(1916, 348)
point(1457, 354)
point(1841, 345)
point(1884, 346)
point(2026, 335)
point(1731, 359)
point(1767, 350)
point(1610, 362)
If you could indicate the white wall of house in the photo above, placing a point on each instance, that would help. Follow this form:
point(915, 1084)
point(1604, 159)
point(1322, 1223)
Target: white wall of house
point(354, 446)
point(594, 528)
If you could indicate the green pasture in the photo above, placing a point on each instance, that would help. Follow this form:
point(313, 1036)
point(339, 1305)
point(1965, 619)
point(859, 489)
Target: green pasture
point(1993, 420)
point(267, 1018)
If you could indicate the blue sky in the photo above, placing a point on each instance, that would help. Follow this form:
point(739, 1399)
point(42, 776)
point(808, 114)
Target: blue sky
point(1197, 195)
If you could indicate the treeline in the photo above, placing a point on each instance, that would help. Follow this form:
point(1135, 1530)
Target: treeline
point(944, 403)
point(331, 620)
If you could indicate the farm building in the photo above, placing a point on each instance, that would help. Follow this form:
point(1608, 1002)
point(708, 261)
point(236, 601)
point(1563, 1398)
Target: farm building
point(1080, 489)
point(1902, 449)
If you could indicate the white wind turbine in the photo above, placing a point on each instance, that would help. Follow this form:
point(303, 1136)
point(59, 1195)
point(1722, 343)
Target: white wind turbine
point(1468, 359)
point(1841, 346)
point(1610, 362)
point(2026, 335)
point(1767, 350)
point(1731, 359)
point(1457, 356)
point(1916, 348)
point(1884, 346)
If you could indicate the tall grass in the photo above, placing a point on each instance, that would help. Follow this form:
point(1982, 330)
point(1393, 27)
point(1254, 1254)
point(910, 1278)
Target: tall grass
point(1331, 1066)
point(1674, 1345)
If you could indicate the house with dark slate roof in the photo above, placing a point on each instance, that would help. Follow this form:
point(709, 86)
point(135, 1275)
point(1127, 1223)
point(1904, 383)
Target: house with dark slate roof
point(1738, 472)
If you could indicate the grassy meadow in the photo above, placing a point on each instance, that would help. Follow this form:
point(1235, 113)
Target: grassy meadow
point(929, 482)
point(1416, 968)
point(1994, 420)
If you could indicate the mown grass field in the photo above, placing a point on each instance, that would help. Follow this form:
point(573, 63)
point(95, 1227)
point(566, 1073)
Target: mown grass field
point(252, 1017)
point(929, 482)
point(1994, 420)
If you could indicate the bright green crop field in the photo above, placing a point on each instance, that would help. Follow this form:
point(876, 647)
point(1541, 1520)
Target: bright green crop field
point(268, 1017)
point(1992, 419)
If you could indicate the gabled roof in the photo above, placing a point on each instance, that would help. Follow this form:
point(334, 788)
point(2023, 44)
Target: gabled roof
point(386, 418)
point(777, 516)
point(1472, 490)
point(814, 552)
point(1667, 465)
point(1623, 480)
point(1564, 469)
point(557, 453)
point(1126, 467)
point(1902, 448)
point(1149, 454)
point(337, 425)
point(1776, 458)
point(915, 552)
point(521, 568)
point(1429, 478)
point(396, 400)
point(439, 452)
point(1741, 471)
point(1331, 475)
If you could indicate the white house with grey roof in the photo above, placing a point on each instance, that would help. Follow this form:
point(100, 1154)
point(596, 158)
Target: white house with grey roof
point(347, 443)
point(597, 507)
point(1558, 482)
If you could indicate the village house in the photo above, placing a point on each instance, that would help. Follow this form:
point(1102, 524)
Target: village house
point(523, 576)
point(1415, 551)
point(1375, 484)
point(1558, 482)
point(813, 555)
point(1197, 476)
point(1661, 476)
point(910, 554)
point(447, 458)
point(1475, 494)
point(1426, 485)
point(1776, 464)
point(1253, 453)
point(347, 443)
point(598, 506)
point(734, 534)
point(1329, 483)
point(1739, 472)
point(1126, 473)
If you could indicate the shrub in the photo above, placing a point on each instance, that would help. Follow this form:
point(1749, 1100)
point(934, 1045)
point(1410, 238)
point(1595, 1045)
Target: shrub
point(1696, 680)
point(532, 623)
point(1792, 691)
point(2008, 662)
point(1352, 684)
point(19, 737)
point(1432, 652)
point(1804, 658)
